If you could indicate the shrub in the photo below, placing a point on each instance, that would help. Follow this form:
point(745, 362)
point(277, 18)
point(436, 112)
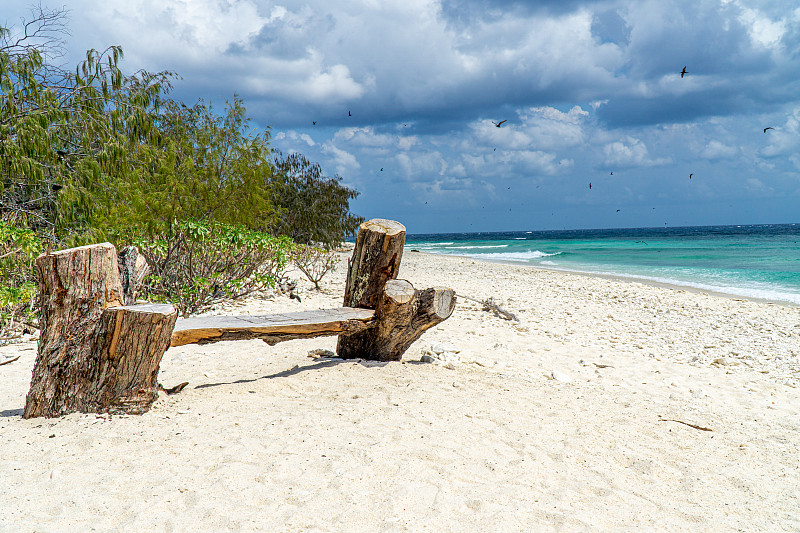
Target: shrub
point(314, 262)
point(199, 263)
point(18, 250)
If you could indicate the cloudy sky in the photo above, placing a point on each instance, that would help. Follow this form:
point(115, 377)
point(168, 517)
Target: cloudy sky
point(405, 93)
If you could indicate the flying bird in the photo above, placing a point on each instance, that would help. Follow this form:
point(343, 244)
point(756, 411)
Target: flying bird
point(684, 72)
point(690, 175)
point(768, 128)
point(313, 122)
point(498, 124)
point(349, 114)
point(590, 185)
point(611, 173)
point(618, 210)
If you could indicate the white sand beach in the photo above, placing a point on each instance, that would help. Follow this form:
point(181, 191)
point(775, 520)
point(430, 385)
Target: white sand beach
point(611, 406)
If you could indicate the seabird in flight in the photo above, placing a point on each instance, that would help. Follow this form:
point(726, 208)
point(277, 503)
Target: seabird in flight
point(498, 124)
point(684, 72)
point(768, 128)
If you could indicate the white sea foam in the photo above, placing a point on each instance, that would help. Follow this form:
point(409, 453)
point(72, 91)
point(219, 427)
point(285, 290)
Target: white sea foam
point(516, 256)
point(478, 246)
point(762, 291)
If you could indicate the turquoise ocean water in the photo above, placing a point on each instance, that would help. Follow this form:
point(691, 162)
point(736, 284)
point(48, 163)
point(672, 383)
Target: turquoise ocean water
point(758, 261)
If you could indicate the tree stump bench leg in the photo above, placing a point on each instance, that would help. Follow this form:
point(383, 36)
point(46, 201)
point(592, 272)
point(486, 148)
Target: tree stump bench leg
point(94, 354)
point(402, 313)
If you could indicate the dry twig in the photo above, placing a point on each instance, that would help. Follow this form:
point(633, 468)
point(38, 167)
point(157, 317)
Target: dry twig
point(489, 305)
point(9, 361)
point(173, 390)
point(701, 428)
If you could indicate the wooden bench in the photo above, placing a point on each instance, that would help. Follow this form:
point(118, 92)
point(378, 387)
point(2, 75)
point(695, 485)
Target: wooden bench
point(272, 329)
point(97, 354)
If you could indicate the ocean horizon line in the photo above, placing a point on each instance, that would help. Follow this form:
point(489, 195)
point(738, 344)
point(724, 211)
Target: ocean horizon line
point(615, 229)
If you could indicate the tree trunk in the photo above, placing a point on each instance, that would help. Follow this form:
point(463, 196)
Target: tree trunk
point(376, 260)
point(131, 341)
point(403, 314)
point(132, 269)
point(76, 288)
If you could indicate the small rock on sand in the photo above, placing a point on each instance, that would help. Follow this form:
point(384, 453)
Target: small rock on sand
point(560, 376)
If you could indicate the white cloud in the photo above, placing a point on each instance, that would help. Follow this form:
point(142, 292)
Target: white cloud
point(761, 29)
point(535, 161)
point(344, 162)
point(295, 136)
point(150, 31)
point(422, 164)
point(548, 128)
point(717, 150)
point(784, 140)
point(629, 152)
point(366, 137)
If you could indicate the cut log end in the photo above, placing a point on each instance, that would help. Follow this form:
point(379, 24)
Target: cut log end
point(382, 225)
point(399, 291)
point(444, 302)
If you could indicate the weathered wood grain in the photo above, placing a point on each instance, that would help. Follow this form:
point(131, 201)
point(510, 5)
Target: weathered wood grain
point(272, 328)
point(375, 260)
point(402, 316)
point(95, 355)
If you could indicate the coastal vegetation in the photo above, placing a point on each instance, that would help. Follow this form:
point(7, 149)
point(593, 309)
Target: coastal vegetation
point(94, 154)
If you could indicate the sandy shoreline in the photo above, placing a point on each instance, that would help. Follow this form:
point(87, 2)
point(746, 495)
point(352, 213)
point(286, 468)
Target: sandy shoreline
point(271, 439)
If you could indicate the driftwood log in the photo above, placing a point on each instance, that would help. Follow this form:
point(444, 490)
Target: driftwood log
point(95, 355)
point(402, 313)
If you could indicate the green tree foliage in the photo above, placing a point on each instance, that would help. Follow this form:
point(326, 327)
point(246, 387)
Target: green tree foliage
point(199, 263)
point(91, 155)
point(62, 130)
point(95, 155)
point(201, 166)
point(18, 249)
point(312, 208)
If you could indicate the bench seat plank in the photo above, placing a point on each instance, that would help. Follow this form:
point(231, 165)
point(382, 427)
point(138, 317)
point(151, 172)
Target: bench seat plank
point(271, 328)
